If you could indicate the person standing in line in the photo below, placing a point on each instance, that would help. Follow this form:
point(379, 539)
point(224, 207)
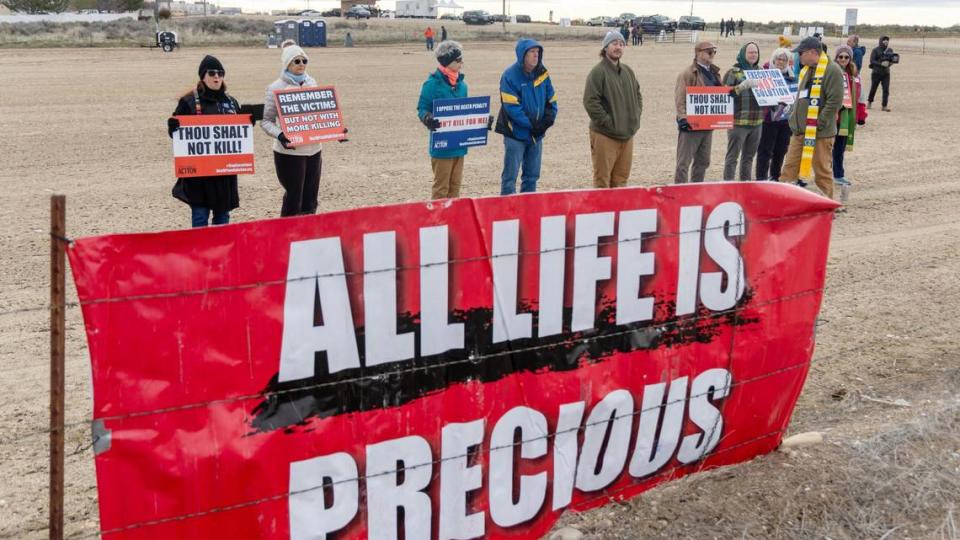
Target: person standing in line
point(693, 147)
point(859, 51)
point(880, 73)
point(625, 32)
point(612, 99)
point(723, 26)
point(850, 114)
point(528, 108)
point(823, 78)
point(744, 138)
point(445, 83)
point(775, 135)
point(298, 168)
point(428, 36)
point(216, 195)
point(443, 33)
point(636, 34)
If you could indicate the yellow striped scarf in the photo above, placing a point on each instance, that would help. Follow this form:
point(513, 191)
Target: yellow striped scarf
point(813, 111)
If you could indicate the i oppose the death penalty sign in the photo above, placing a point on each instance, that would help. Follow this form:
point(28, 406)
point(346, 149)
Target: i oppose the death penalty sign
point(463, 122)
point(772, 88)
point(213, 145)
point(709, 107)
point(310, 115)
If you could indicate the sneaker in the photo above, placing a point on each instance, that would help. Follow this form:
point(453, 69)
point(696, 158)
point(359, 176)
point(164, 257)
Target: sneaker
point(801, 183)
point(886, 109)
point(841, 182)
point(870, 105)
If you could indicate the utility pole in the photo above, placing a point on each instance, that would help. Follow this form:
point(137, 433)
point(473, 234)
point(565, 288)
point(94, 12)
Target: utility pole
point(504, 21)
point(691, 8)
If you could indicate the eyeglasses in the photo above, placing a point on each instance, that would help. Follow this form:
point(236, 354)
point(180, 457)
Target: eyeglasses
point(711, 52)
point(843, 57)
point(216, 73)
point(298, 61)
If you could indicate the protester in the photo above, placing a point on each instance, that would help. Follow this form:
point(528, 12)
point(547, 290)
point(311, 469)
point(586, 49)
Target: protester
point(637, 33)
point(740, 26)
point(744, 138)
point(528, 108)
point(823, 78)
point(348, 41)
point(859, 51)
point(731, 26)
point(723, 26)
point(216, 195)
point(443, 33)
point(444, 83)
point(693, 147)
point(612, 99)
point(428, 36)
point(880, 73)
point(850, 113)
point(784, 42)
point(298, 168)
point(625, 32)
point(775, 135)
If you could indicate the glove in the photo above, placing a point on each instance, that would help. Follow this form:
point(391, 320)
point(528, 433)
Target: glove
point(747, 84)
point(684, 125)
point(489, 122)
point(284, 141)
point(861, 122)
point(173, 124)
point(345, 131)
point(432, 123)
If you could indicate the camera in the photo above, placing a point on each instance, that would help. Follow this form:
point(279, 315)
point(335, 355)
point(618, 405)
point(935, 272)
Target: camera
point(890, 56)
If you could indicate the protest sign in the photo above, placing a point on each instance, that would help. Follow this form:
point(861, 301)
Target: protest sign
point(709, 107)
point(476, 367)
point(771, 89)
point(213, 145)
point(309, 115)
point(463, 122)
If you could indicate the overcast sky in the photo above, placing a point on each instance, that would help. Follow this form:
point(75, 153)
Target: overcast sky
point(909, 12)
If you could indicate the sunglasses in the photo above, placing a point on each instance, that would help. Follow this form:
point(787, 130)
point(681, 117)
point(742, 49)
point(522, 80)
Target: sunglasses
point(298, 61)
point(711, 52)
point(216, 73)
point(842, 57)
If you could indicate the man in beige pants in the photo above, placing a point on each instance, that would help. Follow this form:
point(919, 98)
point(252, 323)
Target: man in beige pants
point(614, 104)
point(693, 147)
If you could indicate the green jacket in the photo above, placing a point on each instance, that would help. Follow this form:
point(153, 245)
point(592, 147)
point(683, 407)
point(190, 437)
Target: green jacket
point(613, 101)
point(831, 99)
point(438, 87)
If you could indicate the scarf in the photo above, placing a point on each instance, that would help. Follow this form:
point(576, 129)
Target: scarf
point(813, 111)
point(451, 75)
point(742, 58)
point(295, 78)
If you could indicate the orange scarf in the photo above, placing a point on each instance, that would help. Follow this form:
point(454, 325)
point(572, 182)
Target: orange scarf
point(452, 76)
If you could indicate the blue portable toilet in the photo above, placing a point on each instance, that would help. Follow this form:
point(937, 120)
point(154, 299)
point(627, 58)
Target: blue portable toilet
point(287, 29)
point(320, 32)
point(305, 33)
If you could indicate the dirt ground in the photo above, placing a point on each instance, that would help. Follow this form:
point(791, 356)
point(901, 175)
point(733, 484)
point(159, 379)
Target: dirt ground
point(91, 124)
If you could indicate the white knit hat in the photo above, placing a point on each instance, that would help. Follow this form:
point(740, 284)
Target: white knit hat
point(611, 37)
point(289, 54)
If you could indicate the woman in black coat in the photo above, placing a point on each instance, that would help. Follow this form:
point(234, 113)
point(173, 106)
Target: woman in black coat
point(213, 194)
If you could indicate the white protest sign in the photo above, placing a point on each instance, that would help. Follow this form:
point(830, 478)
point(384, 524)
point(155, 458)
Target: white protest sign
point(771, 89)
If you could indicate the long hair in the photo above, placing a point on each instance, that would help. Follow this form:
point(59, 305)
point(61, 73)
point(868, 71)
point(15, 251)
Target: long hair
point(851, 67)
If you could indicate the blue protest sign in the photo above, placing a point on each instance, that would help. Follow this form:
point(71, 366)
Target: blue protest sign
point(463, 122)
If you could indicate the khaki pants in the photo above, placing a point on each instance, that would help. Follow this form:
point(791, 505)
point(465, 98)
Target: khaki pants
point(612, 159)
point(447, 177)
point(692, 147)
point(822, 163)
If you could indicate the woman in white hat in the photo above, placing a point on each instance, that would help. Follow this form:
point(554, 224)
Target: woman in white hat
point(298, 168)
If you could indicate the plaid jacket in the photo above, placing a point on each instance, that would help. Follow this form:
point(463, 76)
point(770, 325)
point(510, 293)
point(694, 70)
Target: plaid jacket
point(746, 110)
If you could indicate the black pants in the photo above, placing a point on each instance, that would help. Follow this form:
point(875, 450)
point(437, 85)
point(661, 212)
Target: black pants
point(300, 178)
point(774, 141)
point(877, 80)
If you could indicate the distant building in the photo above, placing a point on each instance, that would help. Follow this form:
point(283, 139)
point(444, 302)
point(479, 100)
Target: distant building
point(430, 9)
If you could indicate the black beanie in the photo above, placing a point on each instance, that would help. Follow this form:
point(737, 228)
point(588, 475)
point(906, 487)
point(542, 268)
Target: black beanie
point(209, 62)
point(447, 59)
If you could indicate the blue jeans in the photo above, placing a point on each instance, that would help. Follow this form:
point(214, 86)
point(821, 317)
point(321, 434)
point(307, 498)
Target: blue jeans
point(200, 216)
point(515, 154)
point(839, 146)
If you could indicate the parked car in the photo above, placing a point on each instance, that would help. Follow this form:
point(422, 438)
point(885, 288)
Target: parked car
point(358, 12)
point(499, 17)
point(598, 21)
point(449, 17)
point(310, 13)
point(691, 22)
point(524, 19)
point(653, 24)
point(625, 18)
point(477, 17)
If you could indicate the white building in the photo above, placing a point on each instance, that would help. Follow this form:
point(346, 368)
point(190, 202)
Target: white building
point(429, 9)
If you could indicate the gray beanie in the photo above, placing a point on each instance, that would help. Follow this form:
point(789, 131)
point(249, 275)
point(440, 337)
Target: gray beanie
point(611, 37)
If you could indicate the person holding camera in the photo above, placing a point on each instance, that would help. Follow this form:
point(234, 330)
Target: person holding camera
point(880, 60)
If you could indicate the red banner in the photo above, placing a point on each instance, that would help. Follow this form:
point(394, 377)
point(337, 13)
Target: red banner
point(449, 369)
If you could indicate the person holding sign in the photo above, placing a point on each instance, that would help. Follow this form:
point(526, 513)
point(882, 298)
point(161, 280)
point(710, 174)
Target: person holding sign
point(775, 135)
point(206, 195)
point(528, 108)
point(813, 120)
point(298, 168)
point(614, 104)
point(744, 139)
point(693, 147)
point(850, 113)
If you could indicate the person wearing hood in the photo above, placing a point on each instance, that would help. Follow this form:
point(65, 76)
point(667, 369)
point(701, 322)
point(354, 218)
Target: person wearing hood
point(528, 108)
point(693, 147)
point(446, 82)
point(880, 73)
point(612, 99)
point(216, 195)
point(744, 139)
point(298, 168)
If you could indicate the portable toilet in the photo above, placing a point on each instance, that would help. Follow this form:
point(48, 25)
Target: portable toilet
point(287, 29)
point(320, 32)
point(273, 41)
point(305, 33)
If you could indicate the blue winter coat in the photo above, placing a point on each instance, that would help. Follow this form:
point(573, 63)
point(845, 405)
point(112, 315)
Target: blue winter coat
point(438, 87)
point(525, 97)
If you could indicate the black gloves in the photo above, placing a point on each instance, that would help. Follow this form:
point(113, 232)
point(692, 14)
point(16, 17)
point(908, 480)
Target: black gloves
point(489, 122)
point(284, 141)
point(432, 123)
point(172, 125)
point(540, 127)
point(861, 122)
point(345, 131)
point(683, 125)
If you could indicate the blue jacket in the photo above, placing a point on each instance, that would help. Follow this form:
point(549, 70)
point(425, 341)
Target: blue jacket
point(438, 87)
point(525, 98)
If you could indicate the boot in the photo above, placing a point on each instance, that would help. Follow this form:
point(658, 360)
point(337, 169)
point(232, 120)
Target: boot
point(887, 109)
point(870, 105)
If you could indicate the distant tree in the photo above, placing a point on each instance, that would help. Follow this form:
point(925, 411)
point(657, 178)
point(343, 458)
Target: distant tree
point(36, 6)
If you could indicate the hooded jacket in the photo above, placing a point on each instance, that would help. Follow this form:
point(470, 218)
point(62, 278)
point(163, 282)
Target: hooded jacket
point(438, 87)
point(525, 97)
point(876, 57)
